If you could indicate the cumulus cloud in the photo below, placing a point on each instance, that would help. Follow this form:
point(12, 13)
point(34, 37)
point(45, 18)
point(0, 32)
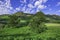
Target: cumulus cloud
point(30, 5)
point(42, 6)
point(5, 7)
point(27, 11)
point(18, 9)
point(37, 4)
point(27, 6)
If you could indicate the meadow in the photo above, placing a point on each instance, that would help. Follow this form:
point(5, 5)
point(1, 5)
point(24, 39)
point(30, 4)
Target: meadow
point(53, 33)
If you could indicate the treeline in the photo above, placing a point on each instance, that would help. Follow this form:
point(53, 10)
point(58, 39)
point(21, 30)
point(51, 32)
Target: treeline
point(21, 19)
point(18, 20)
point(53, 18)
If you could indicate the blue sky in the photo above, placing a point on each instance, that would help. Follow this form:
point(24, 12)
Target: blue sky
point(30, 6)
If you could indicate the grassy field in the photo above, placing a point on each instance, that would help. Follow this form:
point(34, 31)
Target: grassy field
point(52, 24)
point(53, 32)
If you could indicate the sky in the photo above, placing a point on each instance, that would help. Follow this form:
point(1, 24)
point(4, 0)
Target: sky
point(30, 6)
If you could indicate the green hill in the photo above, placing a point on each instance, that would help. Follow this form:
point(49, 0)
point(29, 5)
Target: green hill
point(25, 26)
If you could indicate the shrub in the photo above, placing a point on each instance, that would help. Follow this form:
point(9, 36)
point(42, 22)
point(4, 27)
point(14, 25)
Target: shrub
point(51, 38)
point(37, 23)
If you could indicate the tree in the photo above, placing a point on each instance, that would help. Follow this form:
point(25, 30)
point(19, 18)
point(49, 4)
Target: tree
point(13, 20)
point(37, 23)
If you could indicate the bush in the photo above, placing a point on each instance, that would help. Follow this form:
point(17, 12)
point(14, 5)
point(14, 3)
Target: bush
point(2, 26)
point(51, 38)
point(37, 23)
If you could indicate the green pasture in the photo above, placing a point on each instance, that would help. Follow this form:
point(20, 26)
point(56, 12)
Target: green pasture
point(52, 33)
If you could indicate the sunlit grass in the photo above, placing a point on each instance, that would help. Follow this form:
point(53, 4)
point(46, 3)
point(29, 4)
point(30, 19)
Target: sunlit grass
point(52, 24)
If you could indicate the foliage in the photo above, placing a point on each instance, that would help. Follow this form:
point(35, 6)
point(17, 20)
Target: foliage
point(13, 20)
point(37, 23)
point(52, 18)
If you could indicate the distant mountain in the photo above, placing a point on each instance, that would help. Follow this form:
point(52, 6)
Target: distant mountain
point(56, 17)
point(53, 18)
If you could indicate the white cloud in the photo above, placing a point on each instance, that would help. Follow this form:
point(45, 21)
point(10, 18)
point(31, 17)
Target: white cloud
point(38, 3)
point(58, 4)
point(24, 8)
point(18, 9)
point(7, 4)
point(5, 7)
point(27, 11)
point(23, 1)
point(11, 8)
point(33, 11)
point(43, 1)
point(42, 6)
point(30, 5)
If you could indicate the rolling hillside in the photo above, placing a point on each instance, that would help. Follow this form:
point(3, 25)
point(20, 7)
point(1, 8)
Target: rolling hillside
point(23, 26)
